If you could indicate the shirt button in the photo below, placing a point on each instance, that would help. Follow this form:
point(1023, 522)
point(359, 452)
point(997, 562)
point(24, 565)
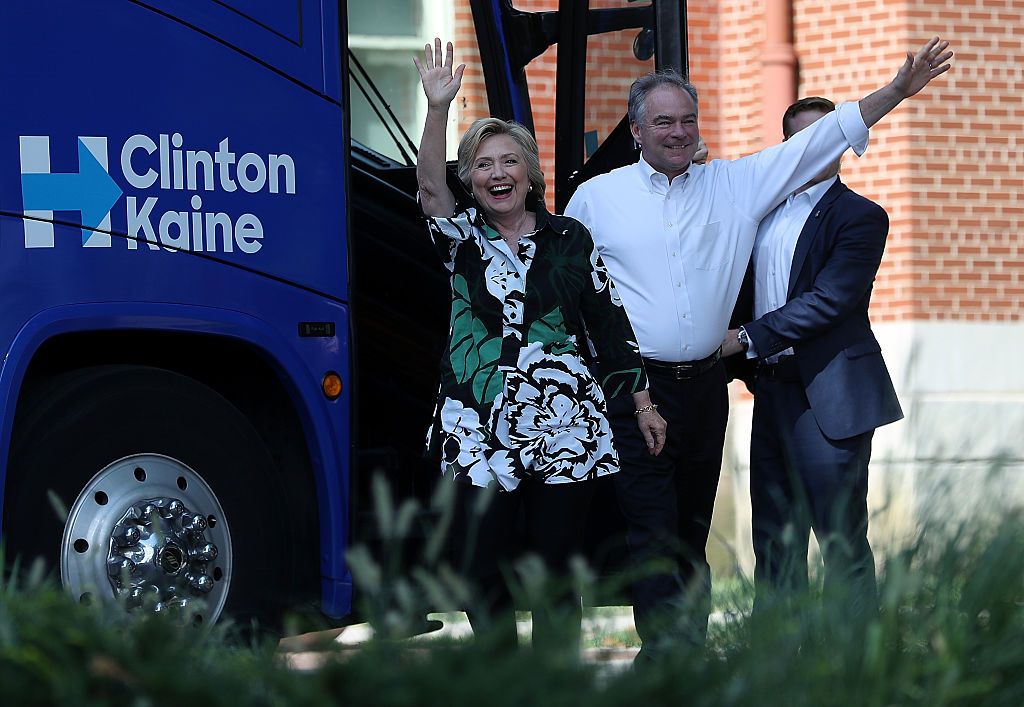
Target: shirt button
point(686, 315)
point(669, 224)
point(686, 348)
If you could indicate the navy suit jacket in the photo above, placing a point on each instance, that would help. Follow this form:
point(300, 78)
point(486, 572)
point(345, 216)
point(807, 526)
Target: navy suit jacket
point(825, 318)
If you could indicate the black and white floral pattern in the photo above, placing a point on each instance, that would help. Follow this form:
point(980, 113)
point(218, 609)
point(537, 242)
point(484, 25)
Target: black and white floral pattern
point(557, 418)
point(602, 280)
point(516, 401)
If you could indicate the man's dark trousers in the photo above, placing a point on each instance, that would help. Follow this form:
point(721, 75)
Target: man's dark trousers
point(667, 501)
point(801, 480)
point(816, 410)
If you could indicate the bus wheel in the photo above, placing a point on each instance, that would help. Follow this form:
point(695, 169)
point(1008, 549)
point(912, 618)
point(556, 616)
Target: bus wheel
point(174, 501)
point(150, 530)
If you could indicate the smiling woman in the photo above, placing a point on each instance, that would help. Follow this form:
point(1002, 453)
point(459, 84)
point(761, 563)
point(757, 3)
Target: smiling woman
point(498, 160)
point(517, 407)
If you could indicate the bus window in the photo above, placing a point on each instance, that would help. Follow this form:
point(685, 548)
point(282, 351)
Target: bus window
point(383, 38)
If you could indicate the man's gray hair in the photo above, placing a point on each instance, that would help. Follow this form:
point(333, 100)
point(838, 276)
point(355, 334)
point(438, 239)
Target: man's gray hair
point(645, 84)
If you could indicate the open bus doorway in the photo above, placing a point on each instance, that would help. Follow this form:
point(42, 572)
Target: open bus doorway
point(575, 101)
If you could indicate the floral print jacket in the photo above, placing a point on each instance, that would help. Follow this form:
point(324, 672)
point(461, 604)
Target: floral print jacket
point(516, 399)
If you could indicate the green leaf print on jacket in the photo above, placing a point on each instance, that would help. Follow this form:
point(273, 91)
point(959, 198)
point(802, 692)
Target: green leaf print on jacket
point(549, 331)
point(472, 353)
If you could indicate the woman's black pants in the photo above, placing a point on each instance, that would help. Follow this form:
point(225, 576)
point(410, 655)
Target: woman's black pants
point(489, 538)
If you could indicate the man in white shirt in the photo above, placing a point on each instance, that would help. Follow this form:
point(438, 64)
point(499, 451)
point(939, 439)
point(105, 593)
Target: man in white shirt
point(821, 386)
point(676, 238)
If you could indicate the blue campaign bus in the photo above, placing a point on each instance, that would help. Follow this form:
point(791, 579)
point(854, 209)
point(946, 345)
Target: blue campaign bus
point(219, 312)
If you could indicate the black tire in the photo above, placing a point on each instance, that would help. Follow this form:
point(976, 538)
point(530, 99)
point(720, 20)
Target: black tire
point(72, 426)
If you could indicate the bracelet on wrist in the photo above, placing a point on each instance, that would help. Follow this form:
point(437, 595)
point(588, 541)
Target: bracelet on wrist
point(646, 408)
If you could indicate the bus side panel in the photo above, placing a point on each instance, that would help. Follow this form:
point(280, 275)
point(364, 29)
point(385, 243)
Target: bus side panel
point(130, 122)
point(289, 35)
point(172, 292)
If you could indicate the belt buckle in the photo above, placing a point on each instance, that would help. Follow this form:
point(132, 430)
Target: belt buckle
point(684, 371)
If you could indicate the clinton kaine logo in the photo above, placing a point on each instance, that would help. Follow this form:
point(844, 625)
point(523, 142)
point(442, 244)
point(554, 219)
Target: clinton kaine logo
point(147, 165)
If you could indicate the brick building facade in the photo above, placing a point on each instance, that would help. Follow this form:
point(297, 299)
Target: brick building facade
point(946, 166)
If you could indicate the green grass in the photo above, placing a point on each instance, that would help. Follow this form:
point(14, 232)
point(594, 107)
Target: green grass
point(950, 633)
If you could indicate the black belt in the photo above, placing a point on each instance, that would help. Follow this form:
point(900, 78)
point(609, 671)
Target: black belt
point(784, 369)
point(684, 370)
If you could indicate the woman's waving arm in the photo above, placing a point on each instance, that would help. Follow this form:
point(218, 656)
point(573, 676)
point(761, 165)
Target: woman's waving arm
point(440, 85)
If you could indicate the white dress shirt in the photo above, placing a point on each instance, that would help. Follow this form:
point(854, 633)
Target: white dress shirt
point(774, 247)
point(678, 251)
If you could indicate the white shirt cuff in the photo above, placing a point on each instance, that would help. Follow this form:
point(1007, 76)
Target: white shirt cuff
point(851, 122)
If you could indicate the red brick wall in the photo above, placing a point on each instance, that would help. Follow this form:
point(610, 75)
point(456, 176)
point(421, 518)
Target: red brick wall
point(942, 164)
point(471, 102)
point(946, 165)
point(705, 28)
point(966, 168)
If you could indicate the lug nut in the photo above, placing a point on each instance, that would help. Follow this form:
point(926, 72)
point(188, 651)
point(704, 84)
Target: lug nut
point(126, 535)
point(202, 583)
point(205, 553)
point(134, 599)
point(120, 566)
point(193, 523)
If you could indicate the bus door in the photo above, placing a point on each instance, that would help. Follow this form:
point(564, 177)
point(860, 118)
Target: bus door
point(575, 105)
point(580, 123)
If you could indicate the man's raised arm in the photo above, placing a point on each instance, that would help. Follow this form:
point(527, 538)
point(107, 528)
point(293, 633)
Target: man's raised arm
point(917, 71)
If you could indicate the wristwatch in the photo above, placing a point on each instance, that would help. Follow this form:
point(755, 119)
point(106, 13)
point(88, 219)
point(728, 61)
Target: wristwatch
point(741, 336)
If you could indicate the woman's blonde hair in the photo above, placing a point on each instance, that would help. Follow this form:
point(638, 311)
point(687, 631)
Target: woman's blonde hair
point(484, 128)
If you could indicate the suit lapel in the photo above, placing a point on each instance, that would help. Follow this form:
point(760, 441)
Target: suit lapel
point(809, 233)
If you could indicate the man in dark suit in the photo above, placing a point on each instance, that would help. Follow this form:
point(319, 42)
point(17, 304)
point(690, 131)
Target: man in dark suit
point(820, 384)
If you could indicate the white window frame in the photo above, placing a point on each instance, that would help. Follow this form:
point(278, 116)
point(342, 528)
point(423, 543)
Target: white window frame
point(438, 21)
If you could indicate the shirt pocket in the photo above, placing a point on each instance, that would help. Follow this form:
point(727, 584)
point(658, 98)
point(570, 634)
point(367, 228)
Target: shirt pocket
point(711, 247)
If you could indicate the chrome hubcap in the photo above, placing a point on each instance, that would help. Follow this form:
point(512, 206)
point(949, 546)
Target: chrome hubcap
point(148, 531)
point(159, 549)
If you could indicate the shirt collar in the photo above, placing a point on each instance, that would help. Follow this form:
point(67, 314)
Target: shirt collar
point(558, 224)
point(653, 179)
point(814, 193)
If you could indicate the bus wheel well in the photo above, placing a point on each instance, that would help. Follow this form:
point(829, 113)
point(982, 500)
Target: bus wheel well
point(232, 369)
point(228, 366)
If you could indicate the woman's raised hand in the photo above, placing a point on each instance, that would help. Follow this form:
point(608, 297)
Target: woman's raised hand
point(440, 83)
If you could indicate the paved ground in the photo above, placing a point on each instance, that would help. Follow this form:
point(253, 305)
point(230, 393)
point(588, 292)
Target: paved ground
point(608, 636)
